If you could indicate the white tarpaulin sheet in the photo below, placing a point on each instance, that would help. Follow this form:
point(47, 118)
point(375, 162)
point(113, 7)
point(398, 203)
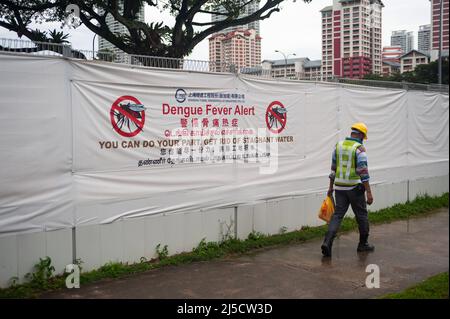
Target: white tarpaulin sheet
point(90, 143)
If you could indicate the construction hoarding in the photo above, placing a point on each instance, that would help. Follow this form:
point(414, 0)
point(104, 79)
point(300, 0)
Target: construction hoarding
point(91, 143)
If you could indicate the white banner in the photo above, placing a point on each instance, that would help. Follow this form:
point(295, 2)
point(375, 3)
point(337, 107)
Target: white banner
point(129, 127)
point(89, 143)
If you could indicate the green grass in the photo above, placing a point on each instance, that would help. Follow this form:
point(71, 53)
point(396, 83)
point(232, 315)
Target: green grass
point(435, 287)
point(43, 279)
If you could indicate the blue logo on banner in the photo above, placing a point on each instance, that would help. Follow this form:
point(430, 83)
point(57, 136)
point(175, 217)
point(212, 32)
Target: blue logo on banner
point(180, 95)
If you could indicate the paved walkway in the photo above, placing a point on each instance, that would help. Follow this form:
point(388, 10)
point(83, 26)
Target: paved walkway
point(406, 253)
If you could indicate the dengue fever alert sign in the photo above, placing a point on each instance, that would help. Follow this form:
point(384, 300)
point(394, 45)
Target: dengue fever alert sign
point(182, 126)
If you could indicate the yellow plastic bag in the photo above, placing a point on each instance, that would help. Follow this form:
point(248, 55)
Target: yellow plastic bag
point(327, 209)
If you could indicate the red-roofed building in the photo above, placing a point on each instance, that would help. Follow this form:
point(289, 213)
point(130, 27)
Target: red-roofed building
point(392, 53)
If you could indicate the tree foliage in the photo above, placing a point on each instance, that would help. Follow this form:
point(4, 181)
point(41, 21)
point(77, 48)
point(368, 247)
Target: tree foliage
point(424, 73)
point(156, 38)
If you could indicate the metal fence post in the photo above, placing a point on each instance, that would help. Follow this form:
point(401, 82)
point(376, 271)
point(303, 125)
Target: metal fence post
point(235, 222)
point(74, 245)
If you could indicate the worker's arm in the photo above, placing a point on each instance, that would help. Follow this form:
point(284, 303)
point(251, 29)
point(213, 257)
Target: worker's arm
point(368, 192)
point(332, 175)
point(330, 188)
point(363, 171)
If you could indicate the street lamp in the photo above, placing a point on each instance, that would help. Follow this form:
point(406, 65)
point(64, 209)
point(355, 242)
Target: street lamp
point(93, 47)
point(285, 60)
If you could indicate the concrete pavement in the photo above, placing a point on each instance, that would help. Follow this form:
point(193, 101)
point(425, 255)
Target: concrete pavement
point(406, 253)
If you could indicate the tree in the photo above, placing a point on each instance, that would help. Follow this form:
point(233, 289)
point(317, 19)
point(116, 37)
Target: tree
point(424, 73)
point(396, 76)
point(155, 38)
point(106, 55)
point(58, 37)
point(428, 73)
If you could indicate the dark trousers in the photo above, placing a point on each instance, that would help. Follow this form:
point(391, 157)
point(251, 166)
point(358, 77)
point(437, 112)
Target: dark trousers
point(357, 199)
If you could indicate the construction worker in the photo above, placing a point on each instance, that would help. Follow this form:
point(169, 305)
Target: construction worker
point(350, 179)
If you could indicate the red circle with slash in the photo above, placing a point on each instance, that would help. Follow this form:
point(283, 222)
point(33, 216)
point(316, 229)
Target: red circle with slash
point(281, 119)
point(138, 122)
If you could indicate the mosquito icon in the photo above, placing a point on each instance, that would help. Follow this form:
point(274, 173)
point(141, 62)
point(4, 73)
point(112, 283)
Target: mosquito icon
point(122, 120)
point(276, 115)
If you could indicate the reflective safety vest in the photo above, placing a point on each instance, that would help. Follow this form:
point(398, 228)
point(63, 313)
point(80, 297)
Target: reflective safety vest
point(346, 163)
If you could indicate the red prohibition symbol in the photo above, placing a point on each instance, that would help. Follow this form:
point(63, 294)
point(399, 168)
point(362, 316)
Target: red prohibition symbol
point(127, 116)
point(276, 117)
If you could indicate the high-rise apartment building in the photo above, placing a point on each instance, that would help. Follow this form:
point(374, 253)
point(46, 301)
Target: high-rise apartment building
point(423, 38)
point(240, 48)
point(351, 38)
point(404, 39)
point(238, 45)
point(116, 27)
point(436, 27)
point(248, 9)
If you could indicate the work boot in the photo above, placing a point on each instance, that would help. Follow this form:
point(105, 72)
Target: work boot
point(364, 245)
point(327, 244)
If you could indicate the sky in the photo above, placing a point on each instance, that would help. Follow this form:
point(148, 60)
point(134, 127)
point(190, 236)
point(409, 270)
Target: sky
point(295, 29)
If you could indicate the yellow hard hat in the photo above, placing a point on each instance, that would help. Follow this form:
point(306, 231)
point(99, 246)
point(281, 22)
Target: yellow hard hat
point(361, 127)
